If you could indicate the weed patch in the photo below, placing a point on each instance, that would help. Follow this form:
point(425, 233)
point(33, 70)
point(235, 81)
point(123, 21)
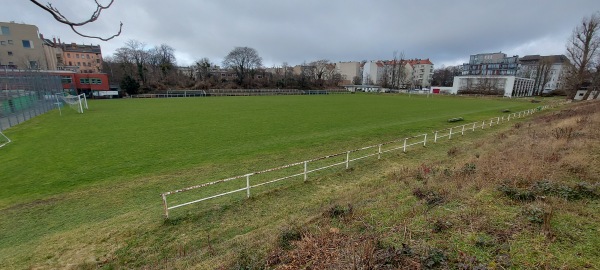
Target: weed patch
point(581, 190)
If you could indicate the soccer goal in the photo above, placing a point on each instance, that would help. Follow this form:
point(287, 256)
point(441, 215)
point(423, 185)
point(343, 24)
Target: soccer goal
point(3, 140)
point(77, 103)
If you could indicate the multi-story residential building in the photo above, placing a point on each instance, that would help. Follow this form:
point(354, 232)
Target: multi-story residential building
point(491, 64)
point(349, 71)
point(53, 54)
point(547, 71)
point(21, 47)
point(412, 73)
point(422, 72)
point(87, 57)
point(373, 72)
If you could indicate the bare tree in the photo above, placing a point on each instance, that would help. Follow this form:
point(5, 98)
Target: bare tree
point(137, 52)
point(243, 60)
point(444, 76)
point(58, 16)
point(542, 74)
point(582, 48)
point(202, 69)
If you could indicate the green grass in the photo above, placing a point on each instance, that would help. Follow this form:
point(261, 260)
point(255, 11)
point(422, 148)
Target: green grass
point(63, 176)
point(119, 139)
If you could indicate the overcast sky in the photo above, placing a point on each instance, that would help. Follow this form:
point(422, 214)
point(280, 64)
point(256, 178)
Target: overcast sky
point(296, 31)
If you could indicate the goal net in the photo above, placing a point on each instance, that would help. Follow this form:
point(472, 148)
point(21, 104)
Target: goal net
point(77, 103)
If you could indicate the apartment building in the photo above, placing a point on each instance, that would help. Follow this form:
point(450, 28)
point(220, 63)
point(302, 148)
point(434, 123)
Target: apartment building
point(348, 71)
point(547, 71)
point(422, 72)
point(88, 58)
point(491, 64)
point(403, 74)
point(21, 47)
point(53, 54)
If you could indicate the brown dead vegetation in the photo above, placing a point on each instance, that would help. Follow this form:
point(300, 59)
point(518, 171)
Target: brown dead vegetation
point(535, 169)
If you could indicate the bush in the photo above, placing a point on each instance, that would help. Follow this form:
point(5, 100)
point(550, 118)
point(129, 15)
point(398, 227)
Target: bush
point(456, 119)
point(287, 236)
point(337, 211)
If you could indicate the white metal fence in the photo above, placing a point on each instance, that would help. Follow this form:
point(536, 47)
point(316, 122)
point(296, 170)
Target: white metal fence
point(368, 151)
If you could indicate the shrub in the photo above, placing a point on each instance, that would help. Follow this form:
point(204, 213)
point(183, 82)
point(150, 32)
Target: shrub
point(456, 119)
point(337, 211)
point(287, 235)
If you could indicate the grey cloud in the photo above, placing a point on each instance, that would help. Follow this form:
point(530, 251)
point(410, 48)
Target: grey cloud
point(338, 30)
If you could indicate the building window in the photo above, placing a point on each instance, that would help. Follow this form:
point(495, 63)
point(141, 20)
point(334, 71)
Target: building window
point(66, 79)
point(87, 56)
point(84, 80)
point(5, 31)
point(10, 42)
point(33, 64)
point(68, 55)
point(95, 81)
point(10, 53)
point(78, 63)
point(76, 55)
point(2, 42)
point(27, 44)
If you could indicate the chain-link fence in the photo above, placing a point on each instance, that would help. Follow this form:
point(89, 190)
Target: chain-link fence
point(26, 94)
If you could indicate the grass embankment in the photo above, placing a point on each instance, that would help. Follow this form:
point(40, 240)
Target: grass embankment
point(525, 197)
point(82, 190)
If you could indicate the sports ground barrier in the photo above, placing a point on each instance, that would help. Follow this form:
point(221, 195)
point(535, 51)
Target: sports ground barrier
point(375, 150)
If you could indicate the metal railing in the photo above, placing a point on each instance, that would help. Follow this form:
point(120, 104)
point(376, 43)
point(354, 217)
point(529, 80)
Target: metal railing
point(376, 150)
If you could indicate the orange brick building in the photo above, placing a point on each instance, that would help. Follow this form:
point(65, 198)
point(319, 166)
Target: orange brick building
point(87, 57)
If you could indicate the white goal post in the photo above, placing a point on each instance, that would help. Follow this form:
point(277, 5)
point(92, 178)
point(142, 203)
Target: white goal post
point(3, 140)
point(77, 103)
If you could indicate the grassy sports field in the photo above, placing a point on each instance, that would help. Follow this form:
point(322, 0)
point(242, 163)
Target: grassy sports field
point(71, 182)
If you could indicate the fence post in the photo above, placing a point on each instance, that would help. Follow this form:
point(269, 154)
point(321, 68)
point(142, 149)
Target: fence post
point(450, 134)
point(435, 138)
point(164, 198)
point(379, 152)
point(463, 130)
point(305, 170)
point(404, 147)
point(482, 124)
point(425, 139)
point(498, 121)
point(247, 185)
point(474, 124)
point(347, 159)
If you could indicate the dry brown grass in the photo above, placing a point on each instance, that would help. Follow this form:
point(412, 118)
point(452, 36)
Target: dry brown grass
point(485, 206)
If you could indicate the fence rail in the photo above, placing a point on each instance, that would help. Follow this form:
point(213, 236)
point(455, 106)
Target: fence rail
point(376, 150)
point(239, 92)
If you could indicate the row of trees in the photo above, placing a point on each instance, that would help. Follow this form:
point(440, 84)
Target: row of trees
point(150, 68)
point(139, 69)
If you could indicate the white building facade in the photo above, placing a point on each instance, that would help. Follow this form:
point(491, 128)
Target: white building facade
point(547, 71)
point(508, 86)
